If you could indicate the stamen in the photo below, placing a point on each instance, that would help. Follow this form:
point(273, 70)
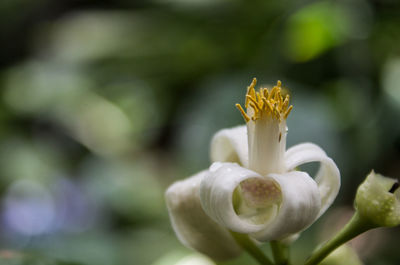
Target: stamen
point(245, 116)
point(277, 114)
point(254, 102)
point(286, 102)
point(288, 111)
point(250, 91)
point(272, 93)
point(256, 111)
point(266, 93)
point(266, 102)
point(253, 82)
point(259, 100)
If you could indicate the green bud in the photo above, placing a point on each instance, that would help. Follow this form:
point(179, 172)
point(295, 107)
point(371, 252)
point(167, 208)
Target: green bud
point(378, 200)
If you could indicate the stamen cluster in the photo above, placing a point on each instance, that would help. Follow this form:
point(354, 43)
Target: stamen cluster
point(265, 102)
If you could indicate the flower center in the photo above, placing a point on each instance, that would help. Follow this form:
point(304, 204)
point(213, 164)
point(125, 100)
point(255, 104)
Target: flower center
point(265, 116)
point(265, 103)
point(257, 200)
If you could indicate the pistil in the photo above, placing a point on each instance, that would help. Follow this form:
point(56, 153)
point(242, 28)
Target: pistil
point(265, 116)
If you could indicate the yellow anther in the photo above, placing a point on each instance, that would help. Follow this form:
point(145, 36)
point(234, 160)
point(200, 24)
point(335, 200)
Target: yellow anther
point(245, 116)
point(253, 82)
point(253, 100)
point(261, 91)
point(277, 114)
point(277, 95)
point(265, 102)
point(251, 91)
point(286, 102)
point(266, 93)
point(272, 93)
point(288, 111)
point(255, 108)
point(259, 100)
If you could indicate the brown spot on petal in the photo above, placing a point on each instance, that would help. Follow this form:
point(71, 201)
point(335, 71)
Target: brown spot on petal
point(260, 193)
point(395, 186)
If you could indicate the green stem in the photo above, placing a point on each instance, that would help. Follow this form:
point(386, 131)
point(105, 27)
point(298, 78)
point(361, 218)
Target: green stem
point(356, 226)
point(280, 253)
point(247, 244)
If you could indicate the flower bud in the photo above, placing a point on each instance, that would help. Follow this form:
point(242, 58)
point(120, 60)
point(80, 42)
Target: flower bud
point(378, 200)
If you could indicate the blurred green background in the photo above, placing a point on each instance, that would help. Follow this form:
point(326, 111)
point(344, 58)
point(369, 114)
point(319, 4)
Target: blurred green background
point(106, 103)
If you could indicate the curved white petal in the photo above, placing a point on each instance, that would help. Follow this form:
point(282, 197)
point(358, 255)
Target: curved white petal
point(216, 194)
point(293, 210)
point(299, 208)
point(230, 145)
point(328, 176)
point(192, 225)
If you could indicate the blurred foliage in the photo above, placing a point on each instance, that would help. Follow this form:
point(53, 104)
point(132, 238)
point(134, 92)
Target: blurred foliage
point(105, 103)
point(15, 258)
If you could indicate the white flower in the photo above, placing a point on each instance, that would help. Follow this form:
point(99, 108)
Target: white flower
point(253, 186)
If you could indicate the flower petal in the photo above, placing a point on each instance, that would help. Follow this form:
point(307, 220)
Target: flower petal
point(299, 208)
point(328, 175)
point(216, 194)
point(265, 214)
point(230, 145)
point(192, 225)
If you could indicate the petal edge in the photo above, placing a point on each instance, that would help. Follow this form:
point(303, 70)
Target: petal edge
point(193, 227)
point(230, 145)
point(327, 177)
